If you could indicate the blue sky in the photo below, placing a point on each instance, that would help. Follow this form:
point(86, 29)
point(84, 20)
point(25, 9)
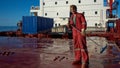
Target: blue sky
point(11, 11)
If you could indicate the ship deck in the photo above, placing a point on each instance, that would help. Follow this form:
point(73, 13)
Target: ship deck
point(55, 53)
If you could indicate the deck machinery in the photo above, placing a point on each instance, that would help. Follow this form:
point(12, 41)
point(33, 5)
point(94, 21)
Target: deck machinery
point(112, 33)
point(112, 25)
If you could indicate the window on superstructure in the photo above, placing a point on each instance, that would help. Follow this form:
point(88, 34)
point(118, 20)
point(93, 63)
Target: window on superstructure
point(64, 18)
point(83, 13)
point(45, 14)
point(95, 0)
point(43, 3)
point(79, 1)
point(96, 12)
point(96, 24)
point(55, 25)
point(55, 3)
point(59, 24)
point(66, 2)
point(57, 13)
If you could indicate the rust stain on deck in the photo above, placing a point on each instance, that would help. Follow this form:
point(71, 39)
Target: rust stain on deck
point(54, 53)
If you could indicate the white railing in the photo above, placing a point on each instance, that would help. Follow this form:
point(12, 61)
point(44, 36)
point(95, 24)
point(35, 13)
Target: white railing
point(35, 7)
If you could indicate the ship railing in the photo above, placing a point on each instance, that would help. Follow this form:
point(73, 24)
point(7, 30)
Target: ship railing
point(35, 7)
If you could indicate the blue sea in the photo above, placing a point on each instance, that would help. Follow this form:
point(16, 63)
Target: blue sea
point(8, 28)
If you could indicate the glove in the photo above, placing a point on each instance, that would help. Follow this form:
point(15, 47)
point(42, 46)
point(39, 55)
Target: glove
point(83, 32)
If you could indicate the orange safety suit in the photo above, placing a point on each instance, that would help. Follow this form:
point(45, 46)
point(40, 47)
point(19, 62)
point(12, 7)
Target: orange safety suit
point(80, 48)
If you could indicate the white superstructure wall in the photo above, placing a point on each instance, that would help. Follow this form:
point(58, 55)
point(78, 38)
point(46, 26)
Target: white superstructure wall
point(94, 11)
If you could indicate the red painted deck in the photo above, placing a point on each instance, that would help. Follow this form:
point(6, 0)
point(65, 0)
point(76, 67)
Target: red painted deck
point(54, 53)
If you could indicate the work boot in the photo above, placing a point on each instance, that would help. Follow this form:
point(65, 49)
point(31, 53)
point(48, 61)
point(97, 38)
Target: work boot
point(76, 62)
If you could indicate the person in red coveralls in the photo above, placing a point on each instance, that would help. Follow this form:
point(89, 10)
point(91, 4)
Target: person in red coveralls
point(78, 25)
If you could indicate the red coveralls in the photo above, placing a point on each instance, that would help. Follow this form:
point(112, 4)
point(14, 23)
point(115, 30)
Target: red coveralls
point(80, 48)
